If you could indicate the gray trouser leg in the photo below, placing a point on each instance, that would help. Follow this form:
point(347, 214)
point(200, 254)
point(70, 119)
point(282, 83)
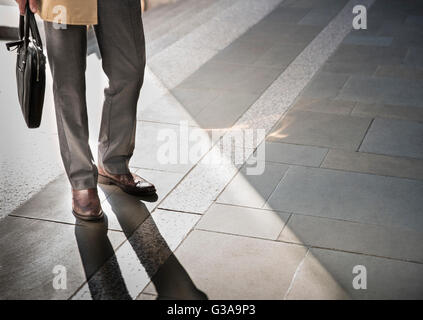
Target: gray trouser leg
point(121, 40)
point(66, 50)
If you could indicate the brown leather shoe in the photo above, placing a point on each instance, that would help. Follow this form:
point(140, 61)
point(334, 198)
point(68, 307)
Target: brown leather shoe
point(129, 183)
point(86, 205)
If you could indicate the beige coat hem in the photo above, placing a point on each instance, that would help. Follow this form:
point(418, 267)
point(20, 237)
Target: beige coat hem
point(72, 12)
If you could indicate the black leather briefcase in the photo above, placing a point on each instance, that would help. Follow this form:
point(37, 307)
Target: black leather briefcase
point(30, 69)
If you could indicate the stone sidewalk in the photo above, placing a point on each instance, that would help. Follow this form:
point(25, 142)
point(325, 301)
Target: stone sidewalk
point(343, 175)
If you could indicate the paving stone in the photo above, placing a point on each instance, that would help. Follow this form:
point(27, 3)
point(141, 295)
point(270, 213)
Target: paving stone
point(368, 40)
point(243, 51)
point(172, 67)
point(356, 197)
point(348, 53)
point(313, 281)
point(152, 88)
point(409, 38)
point(374, 163)
point(165, 110)
point(321, 129)
point(382, 90)
point(265, 30)
point(232, 77)
point(19, 178)
point(397, 243)
point(388, 111)
point(282, 33)
point(394, 137)
point(229, 24)
point(225, 110)
point(405, 35)
point(221, 274)
point(294, 154)
point(285, 15)
point(279, 56)
point(194, 100)
point(414, 57)
point(414, 20)
point(400, 71)
point(324, 105)
point(318, 17)
point(361, 68)
point(324, 86)
point(302, 34)
point(328, 274)
point(252, 191)
point(35, 247)
point(158, 146)
point(243, 221)
point(144, 296)
point(179, 15)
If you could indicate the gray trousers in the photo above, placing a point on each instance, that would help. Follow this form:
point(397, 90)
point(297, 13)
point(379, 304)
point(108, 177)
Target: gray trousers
point(120, 38)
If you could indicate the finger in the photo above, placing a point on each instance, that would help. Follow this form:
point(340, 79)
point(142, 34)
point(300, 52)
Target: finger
point(22, 7)
point(33, 5)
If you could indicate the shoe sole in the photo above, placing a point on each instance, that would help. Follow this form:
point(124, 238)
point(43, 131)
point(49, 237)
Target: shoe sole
point(108, 181)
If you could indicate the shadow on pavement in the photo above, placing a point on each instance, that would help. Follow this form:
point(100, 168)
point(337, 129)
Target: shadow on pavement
point(101, 266)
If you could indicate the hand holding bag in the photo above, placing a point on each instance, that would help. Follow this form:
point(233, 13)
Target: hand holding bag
point(30, 69)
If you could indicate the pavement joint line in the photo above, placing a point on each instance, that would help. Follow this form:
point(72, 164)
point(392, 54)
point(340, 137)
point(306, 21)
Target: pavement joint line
point(354, 171)
point(277, 185)
point(253, 237)
point(285, 225)
point(167, 123)
point(291, 284)
point(293, 213)
point(45, 220)
point(359, 253)
point(58, 222)
point(178, 211)
point(343, 220)
point(147, 294)
point(324, 158)
point(365, 134)
point(154, 169)
point(353, 108)
point(368, 173)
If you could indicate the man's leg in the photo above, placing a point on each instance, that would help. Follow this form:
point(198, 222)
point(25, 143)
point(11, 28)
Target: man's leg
point(121, 41)
point(66, 50)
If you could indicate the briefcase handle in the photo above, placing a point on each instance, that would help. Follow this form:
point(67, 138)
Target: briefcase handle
point(27, 25)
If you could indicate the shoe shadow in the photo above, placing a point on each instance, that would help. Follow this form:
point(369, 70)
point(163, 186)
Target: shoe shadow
point(101, 266)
